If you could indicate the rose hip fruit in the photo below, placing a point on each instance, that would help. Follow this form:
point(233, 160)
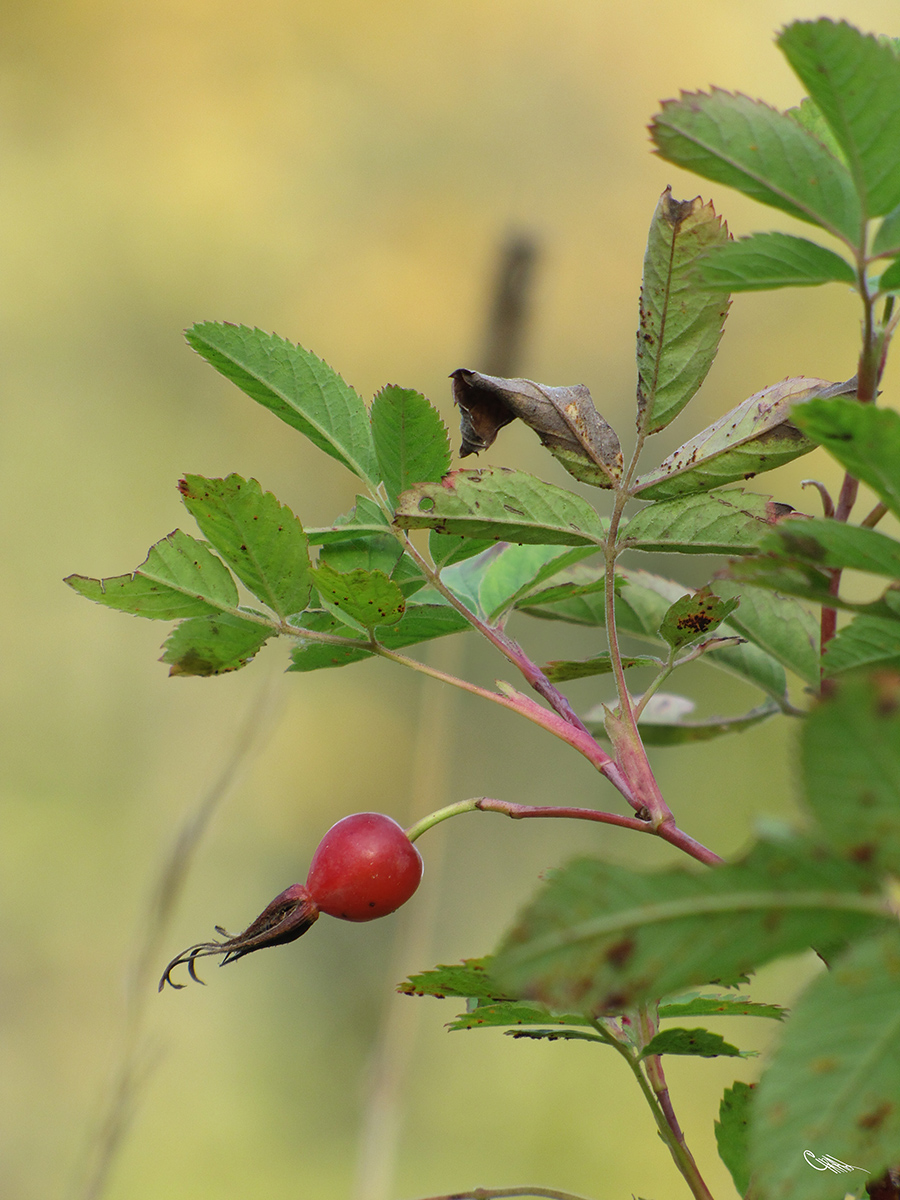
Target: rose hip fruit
point(364, 867)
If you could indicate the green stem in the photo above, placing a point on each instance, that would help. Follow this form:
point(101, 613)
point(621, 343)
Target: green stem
point(667, 1126)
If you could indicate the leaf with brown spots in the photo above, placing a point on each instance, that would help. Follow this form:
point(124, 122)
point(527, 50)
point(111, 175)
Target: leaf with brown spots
point(833, 1084)
point(257, 536)
point(694, 616)
point(600, 938)
point(758, 435)
point(360, 598)
point(681, 320)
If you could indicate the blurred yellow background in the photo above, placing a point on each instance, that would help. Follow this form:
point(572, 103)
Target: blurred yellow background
point(342, 174)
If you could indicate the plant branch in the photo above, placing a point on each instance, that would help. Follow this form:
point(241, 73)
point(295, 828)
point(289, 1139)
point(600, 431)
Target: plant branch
point(670, 833)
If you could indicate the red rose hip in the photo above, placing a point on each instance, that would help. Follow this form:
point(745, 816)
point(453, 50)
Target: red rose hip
point(364, 867)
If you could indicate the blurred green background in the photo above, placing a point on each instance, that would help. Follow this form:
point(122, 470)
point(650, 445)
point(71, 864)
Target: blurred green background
point(343, 174)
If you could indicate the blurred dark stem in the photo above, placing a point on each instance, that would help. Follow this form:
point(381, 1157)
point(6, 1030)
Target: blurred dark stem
point(510, 306)
point(136, 1061)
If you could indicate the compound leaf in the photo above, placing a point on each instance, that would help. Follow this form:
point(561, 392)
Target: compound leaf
point(765, 154)
point(681, 321)
point(296, 386)
point(411, 441)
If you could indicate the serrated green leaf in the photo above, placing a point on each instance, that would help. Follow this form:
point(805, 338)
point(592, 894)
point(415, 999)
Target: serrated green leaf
point(681, 321)
point(890, 278)
point(850, 751)
point(602, 938)
point(259, 538)
point(470, 978)
point(864, 439)
point(765, 154)
point(765, 261)
point(694, 616)
point(518, 569)
point(513, 1012)
point(411, 441)
point(887, 239)
point(501, 505)
point(779, 625)
point(698, 1043)
point(179, 578)
point(362, 598)
point(600, 664)
point(831, 1089)
point(719, 1005)
point(732, 1130)
point(855, 82)
point(296, 386)
point(865, 642)
point(213, 645)
point(728, 521)
point(758, 435)
point(420, 623)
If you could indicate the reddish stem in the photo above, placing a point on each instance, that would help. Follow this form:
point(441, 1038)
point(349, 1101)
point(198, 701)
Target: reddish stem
point(669, 833)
